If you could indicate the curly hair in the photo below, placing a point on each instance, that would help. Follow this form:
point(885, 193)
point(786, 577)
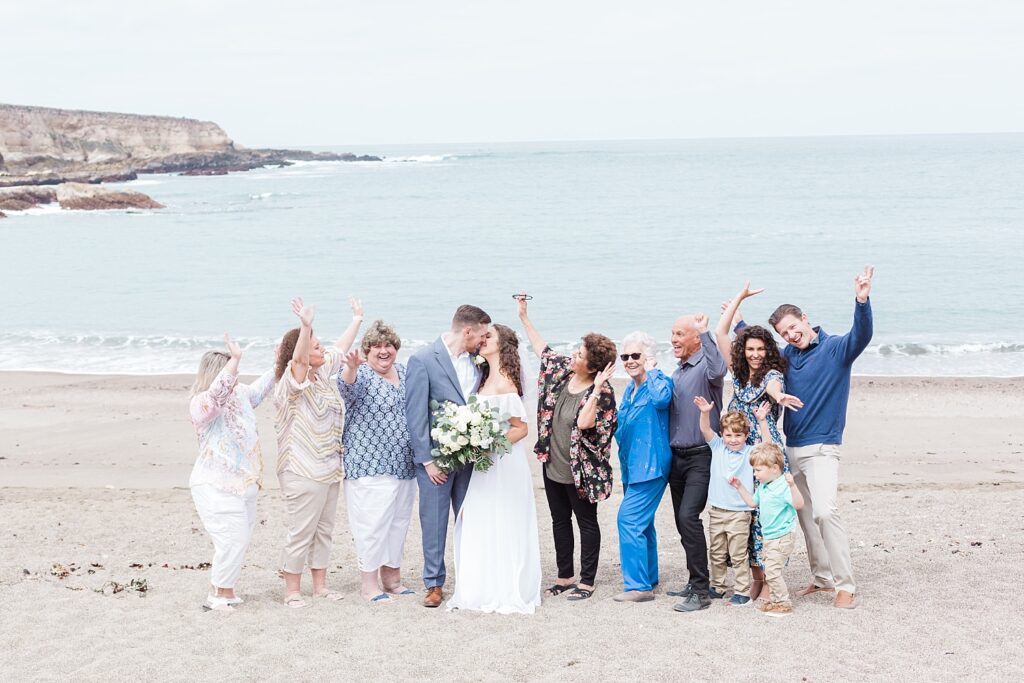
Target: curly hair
point(285, 351)
point(735, 421)
point(773, 360)
point(600, 351)
point(380, 334)
point(508, 358)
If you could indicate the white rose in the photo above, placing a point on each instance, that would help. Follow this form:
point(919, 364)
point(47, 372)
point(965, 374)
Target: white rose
point(462, 441)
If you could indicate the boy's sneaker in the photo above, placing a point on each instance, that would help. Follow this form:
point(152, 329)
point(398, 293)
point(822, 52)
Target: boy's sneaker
point(778, 609)
point(693, 603)
point(738, 600)
point(714, 594)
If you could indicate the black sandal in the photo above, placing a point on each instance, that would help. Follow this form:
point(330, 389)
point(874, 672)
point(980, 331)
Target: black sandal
point(579, 594)
point(558, 589)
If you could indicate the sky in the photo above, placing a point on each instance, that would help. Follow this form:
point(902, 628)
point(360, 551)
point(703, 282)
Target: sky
point(318, 73)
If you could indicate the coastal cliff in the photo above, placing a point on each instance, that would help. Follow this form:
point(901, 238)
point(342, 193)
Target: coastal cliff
point(44, 146)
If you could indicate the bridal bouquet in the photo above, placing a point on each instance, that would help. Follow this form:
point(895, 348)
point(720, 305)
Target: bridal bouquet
point(467, 434)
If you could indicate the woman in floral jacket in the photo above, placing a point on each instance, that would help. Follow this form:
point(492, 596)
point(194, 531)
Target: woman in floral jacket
point(576, 418)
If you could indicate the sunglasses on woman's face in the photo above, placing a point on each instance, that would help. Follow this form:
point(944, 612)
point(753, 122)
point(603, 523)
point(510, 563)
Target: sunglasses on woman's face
point(630, 356)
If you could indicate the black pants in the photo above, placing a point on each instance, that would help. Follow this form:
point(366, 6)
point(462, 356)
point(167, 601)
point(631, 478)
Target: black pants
point(563, 501)
point(688, 481)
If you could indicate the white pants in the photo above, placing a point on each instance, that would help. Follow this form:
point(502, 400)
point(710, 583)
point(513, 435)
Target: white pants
point(229, 520)
point(816, 471)
point(379, 511)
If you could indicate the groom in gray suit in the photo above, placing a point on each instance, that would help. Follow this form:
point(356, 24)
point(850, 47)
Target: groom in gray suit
point(443, 371)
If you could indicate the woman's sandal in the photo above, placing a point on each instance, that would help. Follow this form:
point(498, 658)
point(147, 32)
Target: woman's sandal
point(557, 589)
point(295, 601)
point(579, 594)
point(333, 596)
point(217, 604)
point(399, 590)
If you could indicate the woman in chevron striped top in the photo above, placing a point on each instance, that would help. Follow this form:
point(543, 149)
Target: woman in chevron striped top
point(309, 420)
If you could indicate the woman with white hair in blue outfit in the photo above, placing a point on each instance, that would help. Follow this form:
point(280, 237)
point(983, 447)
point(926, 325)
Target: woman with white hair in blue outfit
point(645, 460)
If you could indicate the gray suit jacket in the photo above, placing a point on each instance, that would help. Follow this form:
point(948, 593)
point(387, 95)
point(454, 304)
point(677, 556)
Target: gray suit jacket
point(429, 376)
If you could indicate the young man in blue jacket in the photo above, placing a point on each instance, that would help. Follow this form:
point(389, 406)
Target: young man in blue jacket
point(819, 373)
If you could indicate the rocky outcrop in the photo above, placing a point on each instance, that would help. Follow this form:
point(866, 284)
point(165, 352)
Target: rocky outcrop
point(91, 198)
point(75, 196)
point(26, 198)
point(43, 146)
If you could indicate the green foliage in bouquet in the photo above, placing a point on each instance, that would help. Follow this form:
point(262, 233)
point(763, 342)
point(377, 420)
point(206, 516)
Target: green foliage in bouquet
point(471, 434)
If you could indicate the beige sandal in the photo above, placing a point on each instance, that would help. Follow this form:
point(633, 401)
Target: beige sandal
point(295, 601)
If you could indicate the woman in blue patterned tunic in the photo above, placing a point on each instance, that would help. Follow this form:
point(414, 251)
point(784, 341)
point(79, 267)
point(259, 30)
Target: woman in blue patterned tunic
point(757, 376)
point(380, 485)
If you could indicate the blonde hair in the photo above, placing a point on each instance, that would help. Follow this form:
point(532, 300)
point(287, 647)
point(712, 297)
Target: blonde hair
point(735, 421)
point(767, 455)
point(210, 365)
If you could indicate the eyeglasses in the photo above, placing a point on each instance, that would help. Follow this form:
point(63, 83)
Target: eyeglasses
point(630, 356)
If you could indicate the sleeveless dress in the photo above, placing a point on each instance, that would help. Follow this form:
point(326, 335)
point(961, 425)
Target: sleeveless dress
point(497, 550)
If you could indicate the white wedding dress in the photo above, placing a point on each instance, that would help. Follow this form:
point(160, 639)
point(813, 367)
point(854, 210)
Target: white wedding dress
point(497, 551)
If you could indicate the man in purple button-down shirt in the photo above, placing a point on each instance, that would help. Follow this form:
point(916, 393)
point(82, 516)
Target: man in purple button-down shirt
point(701, 372)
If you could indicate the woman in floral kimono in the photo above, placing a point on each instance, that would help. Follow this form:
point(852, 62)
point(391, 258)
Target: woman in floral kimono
point(576, 418)
point(757, 368)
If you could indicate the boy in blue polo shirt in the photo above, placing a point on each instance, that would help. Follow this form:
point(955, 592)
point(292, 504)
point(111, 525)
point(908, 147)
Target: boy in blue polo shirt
point(777, 499)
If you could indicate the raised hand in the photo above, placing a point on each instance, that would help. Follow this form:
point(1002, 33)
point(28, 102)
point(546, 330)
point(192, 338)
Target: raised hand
point(357, 306)
point(736, 317)
point(790, 401)
point(650, 362)
point(305, 313)
point(761, 412)
point(353, 359)
point(789, 478)
point(747, 292)
point(522, 305)
point(234, 350)
point(604, 375)
point(862, 284)
point(700, 321)
point(702, 404)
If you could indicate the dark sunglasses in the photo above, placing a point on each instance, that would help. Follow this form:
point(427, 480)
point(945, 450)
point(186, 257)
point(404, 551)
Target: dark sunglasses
point(628, 356)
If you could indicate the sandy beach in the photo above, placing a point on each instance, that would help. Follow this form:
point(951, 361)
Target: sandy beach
point(94, 472)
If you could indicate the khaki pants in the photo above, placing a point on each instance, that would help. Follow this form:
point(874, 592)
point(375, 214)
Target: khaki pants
point(310, 507)
point(776, 554)
point(816, 471)
point(730, 532)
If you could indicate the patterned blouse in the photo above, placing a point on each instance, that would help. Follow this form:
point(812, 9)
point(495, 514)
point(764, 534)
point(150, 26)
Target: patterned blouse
point(309, 421)
point(225, 420)
point(589, 449)
point(376, 432)
point(746, 399)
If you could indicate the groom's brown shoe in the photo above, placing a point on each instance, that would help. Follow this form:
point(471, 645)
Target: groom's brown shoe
point(434, 598)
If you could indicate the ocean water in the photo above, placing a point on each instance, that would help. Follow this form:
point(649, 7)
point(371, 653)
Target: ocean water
point(607, 236)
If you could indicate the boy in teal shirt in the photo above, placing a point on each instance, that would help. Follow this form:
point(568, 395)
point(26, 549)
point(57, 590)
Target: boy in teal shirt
point(776, 500)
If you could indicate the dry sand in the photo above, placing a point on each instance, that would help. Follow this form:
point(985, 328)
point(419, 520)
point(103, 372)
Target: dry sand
point(94, 471)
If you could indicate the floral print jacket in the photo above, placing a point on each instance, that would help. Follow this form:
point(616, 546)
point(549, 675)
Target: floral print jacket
point(589, 449)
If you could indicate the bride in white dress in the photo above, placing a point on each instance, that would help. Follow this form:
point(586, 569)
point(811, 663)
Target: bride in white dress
point(497, 552)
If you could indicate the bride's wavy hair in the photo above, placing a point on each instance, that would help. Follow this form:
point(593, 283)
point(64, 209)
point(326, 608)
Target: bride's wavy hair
point(508, 358)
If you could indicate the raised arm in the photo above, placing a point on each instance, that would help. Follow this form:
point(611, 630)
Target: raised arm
point(705, 409)
point(854, 343)
point(761, 415)
point(536, 341)
point(300, 356)
point(729, 319)
point(207, 405)
point(715, 367)
point(344, 342)
point(588, 415)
